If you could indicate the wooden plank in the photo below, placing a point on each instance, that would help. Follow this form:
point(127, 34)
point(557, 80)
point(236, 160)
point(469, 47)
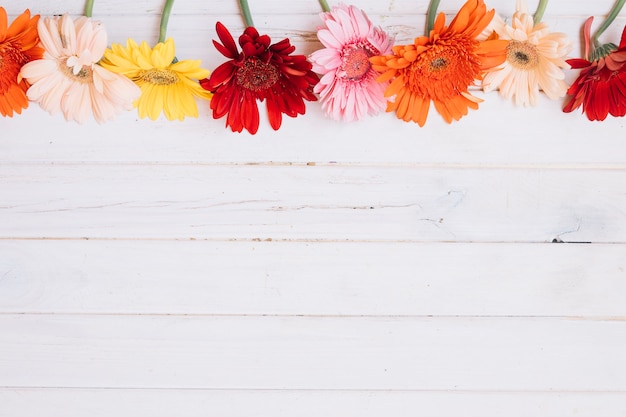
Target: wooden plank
point(311, 203)
point(200, 403)
point(478, 140)
point(308, 278)
point(335, 353)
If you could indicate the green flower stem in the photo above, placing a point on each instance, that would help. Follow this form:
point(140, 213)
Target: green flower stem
point(165, 17)
point(540, 11)
point(432, 13)
point(245, 12)
point(88, 8)
point(324, 5)
point(609, 19)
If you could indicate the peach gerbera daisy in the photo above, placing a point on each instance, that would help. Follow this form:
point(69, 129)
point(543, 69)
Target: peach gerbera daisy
point(18, 45)
point(441, 67)
point(535, 58)
point(69, 79)
point(348, 88)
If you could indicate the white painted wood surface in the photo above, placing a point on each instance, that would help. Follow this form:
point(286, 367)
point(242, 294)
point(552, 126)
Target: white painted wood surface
point(366, 269)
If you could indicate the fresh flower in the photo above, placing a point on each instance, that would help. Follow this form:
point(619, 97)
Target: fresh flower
point(601, 86)
point(535, 58)
point(441, 67)
point(259, 72)
point(18, 45)
point(348, 88)
point(68, 78)
point(166, 86)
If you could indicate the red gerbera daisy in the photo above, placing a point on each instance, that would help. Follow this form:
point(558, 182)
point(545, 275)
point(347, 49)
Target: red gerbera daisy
point(18, 45)
point(259, 72)
point(601, 86)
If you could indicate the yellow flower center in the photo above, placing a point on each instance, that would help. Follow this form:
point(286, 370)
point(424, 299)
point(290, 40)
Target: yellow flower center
point(85, 75)
point(522, 55)
point(256, 75)
point(159, 76)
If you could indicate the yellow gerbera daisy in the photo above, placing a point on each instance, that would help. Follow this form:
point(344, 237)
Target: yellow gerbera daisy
point(166, 86)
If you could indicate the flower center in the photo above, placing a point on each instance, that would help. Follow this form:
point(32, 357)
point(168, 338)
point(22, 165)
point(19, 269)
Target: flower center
point(83, 74)
point(356, 63)
point(256, 75)
point(522, 55)
point(439, 64)
point(11, 60)
point(159, 76)
point(445, 68)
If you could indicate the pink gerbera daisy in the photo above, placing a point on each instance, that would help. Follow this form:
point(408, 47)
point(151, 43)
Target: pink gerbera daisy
point(348, 88)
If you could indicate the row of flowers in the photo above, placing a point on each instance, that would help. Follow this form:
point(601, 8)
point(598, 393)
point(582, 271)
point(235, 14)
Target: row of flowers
point(65, 65)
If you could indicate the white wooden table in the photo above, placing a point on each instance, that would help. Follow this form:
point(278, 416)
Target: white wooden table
point(327, 269)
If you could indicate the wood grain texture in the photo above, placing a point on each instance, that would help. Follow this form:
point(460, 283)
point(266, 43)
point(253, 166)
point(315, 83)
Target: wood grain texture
point(233, 403)
point(309, 278)
point(335, 353)
point(560, 140)
point(312, 202)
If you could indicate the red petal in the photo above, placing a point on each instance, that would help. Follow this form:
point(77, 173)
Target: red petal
point(577, 63)
point(274, 114)
point(230, 47)
point(221, 75)
point(599, 101)
point(250, 113)
point(234, 114)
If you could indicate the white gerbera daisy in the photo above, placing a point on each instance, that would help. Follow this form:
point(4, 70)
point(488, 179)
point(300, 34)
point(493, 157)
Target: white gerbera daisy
point(535, 58)
point(68, 78)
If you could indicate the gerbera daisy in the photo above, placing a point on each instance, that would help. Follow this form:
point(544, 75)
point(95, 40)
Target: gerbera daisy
point(18, 45)
point(601, 86)
point(534, 59)
point(68, 78)
point(440, 67)
point(166, 86)
point(348, 88)
point(261, 71)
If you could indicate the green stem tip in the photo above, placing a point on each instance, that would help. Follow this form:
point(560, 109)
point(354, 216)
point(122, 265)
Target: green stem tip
point(324, 5)
point(245, 12)
point(165, 17)
point(541, 8)
point(89, 8)
point(432, 13)
point(607, 22)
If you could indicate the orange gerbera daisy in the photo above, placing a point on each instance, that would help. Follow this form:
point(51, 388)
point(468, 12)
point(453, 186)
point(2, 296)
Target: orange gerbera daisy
point(441, 67)
point(18, 45)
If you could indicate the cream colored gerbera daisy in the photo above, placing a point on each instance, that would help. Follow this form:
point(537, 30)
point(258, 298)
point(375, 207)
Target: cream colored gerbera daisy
point(166, 86)
point(68, 78)
point(535, 58)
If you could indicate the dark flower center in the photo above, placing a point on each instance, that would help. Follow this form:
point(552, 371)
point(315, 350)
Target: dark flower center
point(256, 75)
point(522, 55)
point(159, 76)
point(447, 67)
point(438, 64)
